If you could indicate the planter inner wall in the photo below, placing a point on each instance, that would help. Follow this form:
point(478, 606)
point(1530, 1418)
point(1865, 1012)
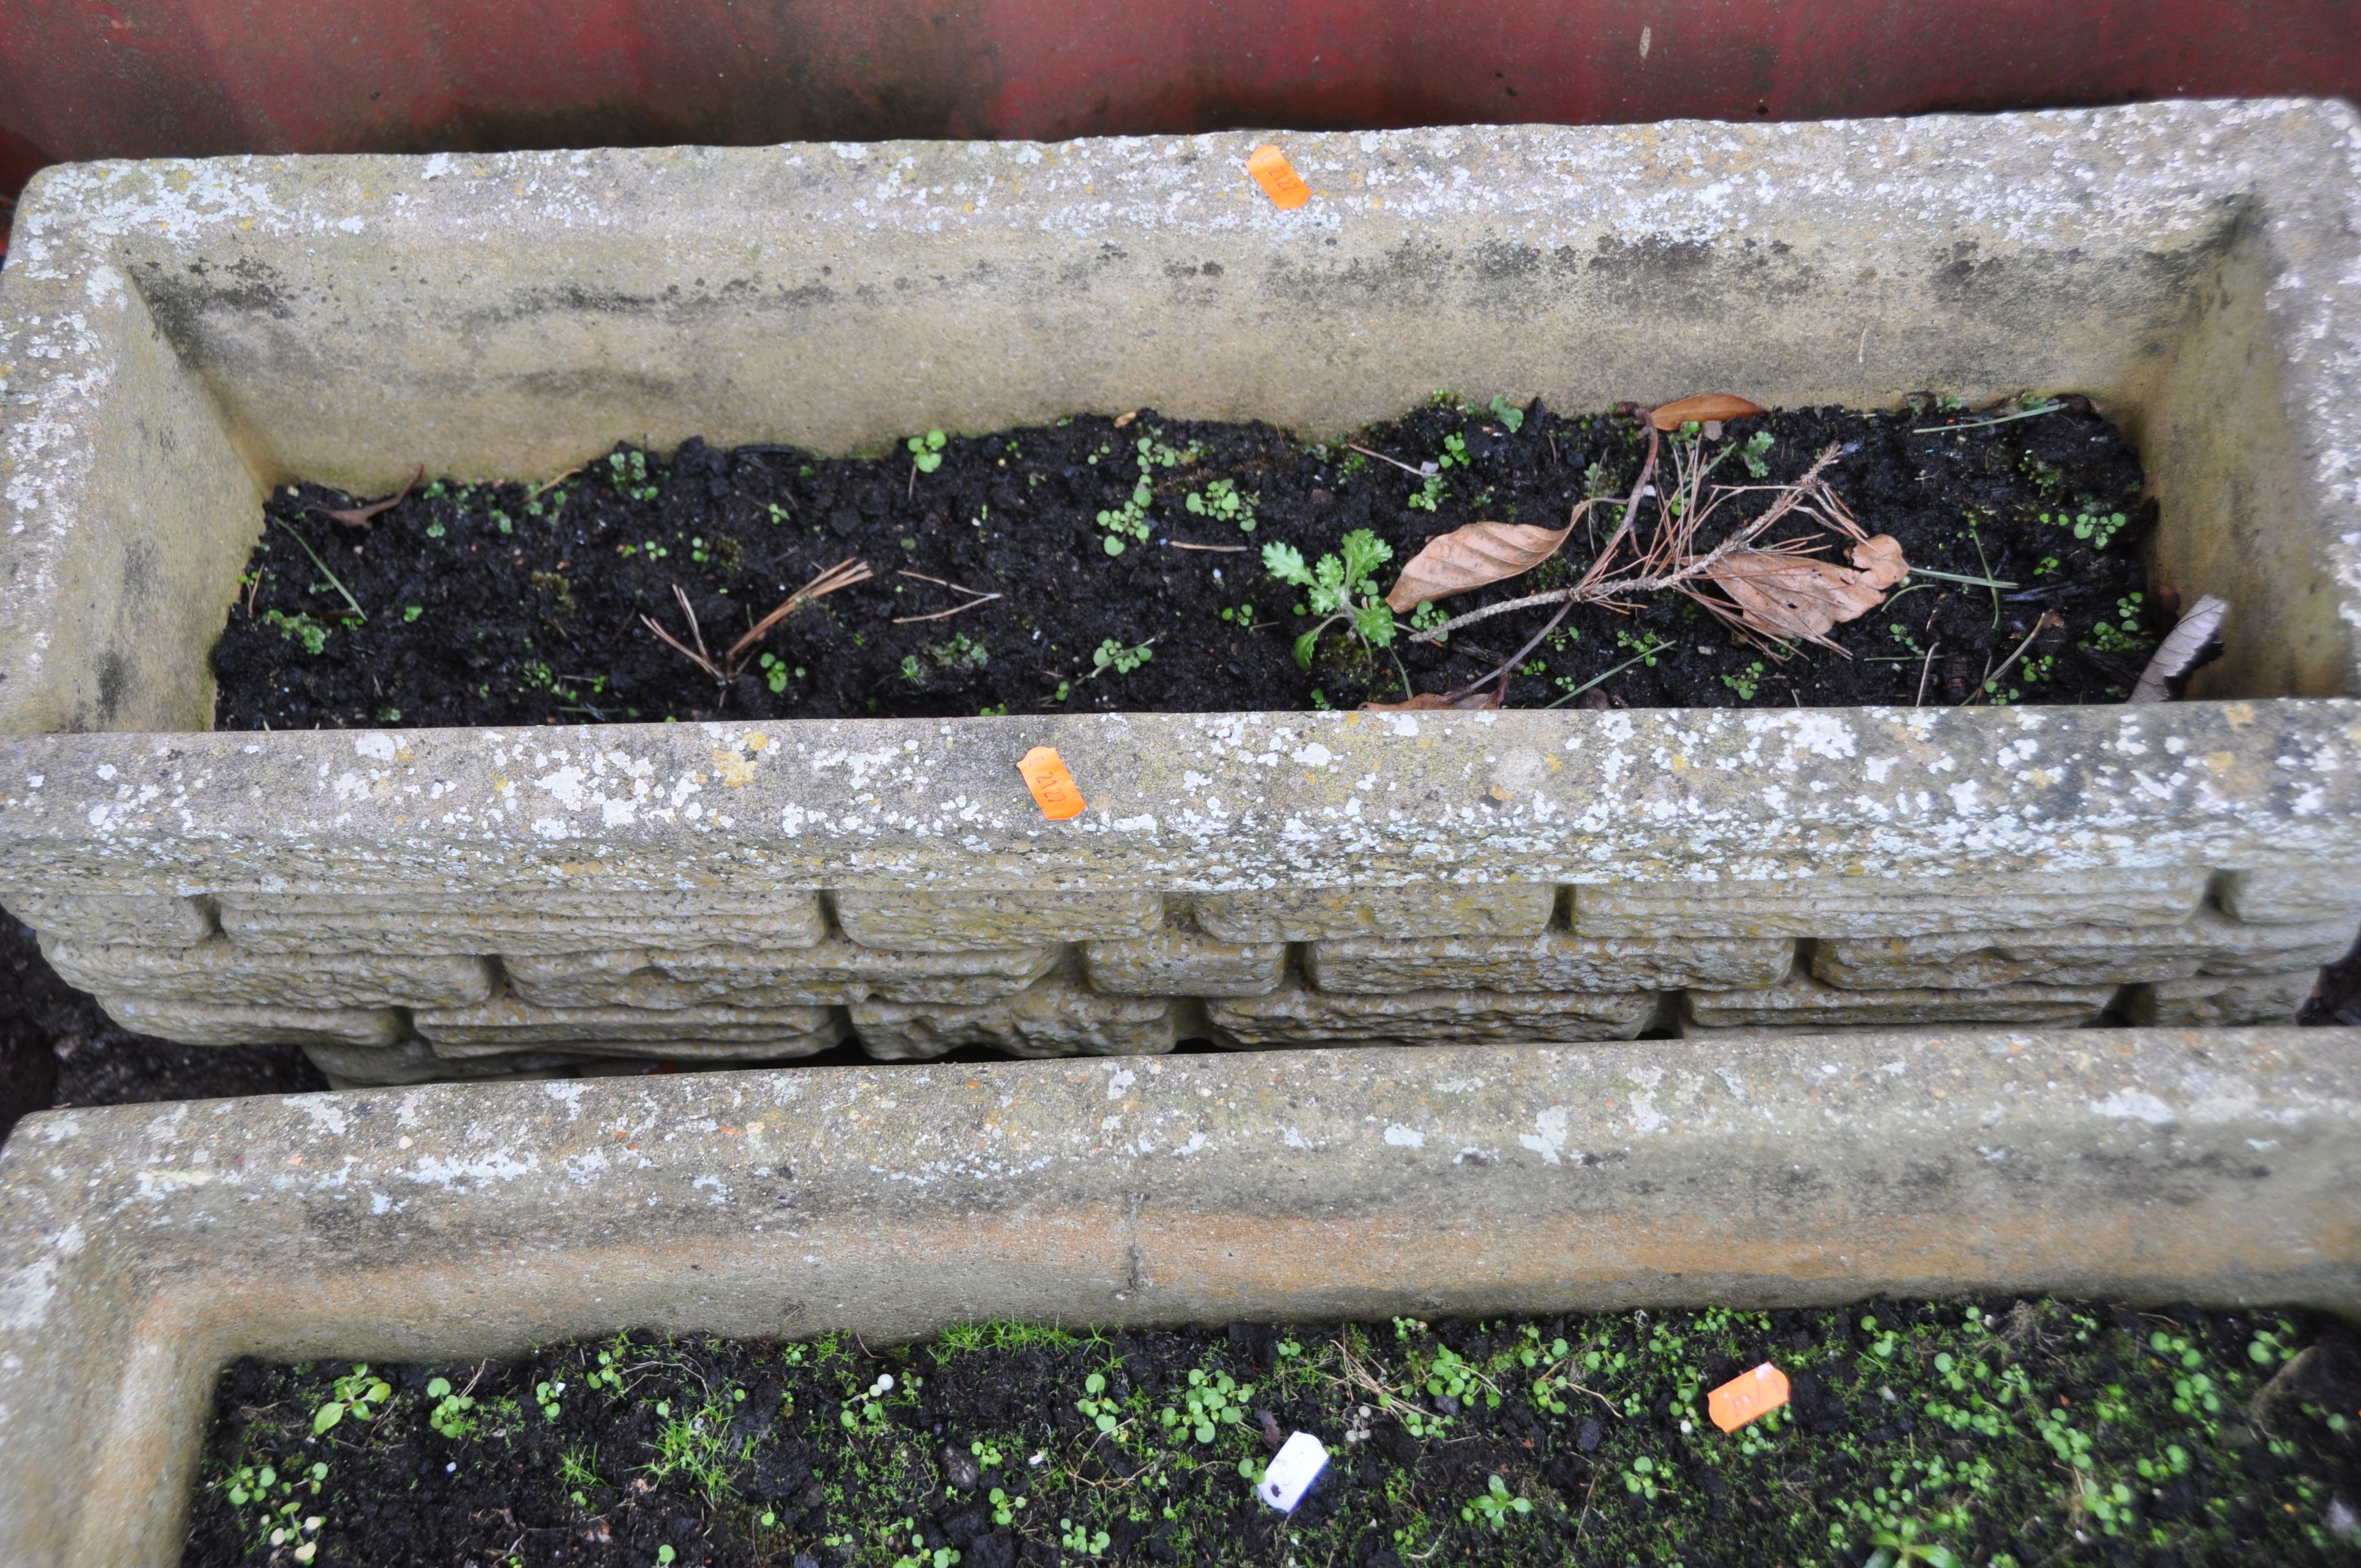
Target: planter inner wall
point(345, 319)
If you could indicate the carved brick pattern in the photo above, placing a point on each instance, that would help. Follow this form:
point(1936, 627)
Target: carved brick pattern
point(560, 983)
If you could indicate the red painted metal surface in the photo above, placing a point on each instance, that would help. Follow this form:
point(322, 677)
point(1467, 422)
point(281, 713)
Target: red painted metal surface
point(137, 78)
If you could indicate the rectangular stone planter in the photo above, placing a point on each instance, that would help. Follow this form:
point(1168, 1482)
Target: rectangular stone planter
point(408, 904)
point(143, 1247)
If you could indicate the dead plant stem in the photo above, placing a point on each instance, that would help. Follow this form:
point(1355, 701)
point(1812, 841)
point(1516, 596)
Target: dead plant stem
point(1671, 568)
point(1983, 687)
point(1414, 473)
point(546, 486)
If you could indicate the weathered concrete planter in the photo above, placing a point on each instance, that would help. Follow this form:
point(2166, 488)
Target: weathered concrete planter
point(142, 1247)
point(413, 904)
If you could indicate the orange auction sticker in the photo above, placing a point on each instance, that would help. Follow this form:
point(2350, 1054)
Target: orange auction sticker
point(1747, 1396)
point(1278, 178)
point(1053, 787)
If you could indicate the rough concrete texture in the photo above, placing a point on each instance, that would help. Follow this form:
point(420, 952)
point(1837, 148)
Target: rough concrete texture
point(216, 971)
point(1556, 961)
point(826, 975)
point(2294, 893)
point(1055, 1016)
point(2214, 1000)
point(979, 922)
point(102, 920)
point(1299, 1015)
point(141, 1248)
point(417, 927)
point(2082, 955)
point(1314, 914)
point(1180, 961)
point(239, 1023)
point(172, 335)
point(1862, 906)
point(1803, 1003)
point(505, 1024)
point(363, 1065)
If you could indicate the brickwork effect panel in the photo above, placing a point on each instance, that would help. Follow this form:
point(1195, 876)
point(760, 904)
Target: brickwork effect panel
point(405, 988)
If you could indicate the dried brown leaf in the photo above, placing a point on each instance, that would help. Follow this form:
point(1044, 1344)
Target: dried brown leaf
point(1470, 557)
point(1881, 561)
point(358, 517)
point(1492, 697)
point(1793, 597)
point(1703, 407)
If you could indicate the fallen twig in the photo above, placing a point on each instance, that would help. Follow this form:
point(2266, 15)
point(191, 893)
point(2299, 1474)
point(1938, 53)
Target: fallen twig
point(535, 493)
point(1424, 471)
point(1674, 569)
point(1926, 668)
point(1589, 578)
point(1224, 549)
point(1983, 687)
point(724, 670)
point(697, 655)
point(980, 597)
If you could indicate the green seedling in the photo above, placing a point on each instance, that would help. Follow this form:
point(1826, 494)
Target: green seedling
point(453, 1413)
point(1332, 588)
point(1746, 682)
point(359, 1395)
point(300, 628)
point(2123, 634)
point(1428, 497)
point(1112, 654)
point(1077, 1538)
point(2099, 528)
point(1511, 418)
point(1210, 1402)
point(1222, 500)
point(1495, 1505)
point(1100, 1411)
point(629, 471)
point(961, 652)
point(927, 451)
point(1128, 523)
point(774, 672)
point(1753, 451)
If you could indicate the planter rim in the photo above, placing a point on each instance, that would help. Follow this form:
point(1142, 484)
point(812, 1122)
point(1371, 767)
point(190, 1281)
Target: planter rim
point(1192, 803)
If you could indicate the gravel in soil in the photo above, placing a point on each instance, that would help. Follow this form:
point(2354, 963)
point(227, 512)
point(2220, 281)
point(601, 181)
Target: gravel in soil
point(2000, 1434)
point(507, 604)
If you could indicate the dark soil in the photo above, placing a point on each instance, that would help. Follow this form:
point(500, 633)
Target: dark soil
point(492, 605)
point(2000, 1435)
point(58, 1048)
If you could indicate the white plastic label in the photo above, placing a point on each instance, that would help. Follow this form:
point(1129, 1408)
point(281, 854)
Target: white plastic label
point(1292, 1470)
